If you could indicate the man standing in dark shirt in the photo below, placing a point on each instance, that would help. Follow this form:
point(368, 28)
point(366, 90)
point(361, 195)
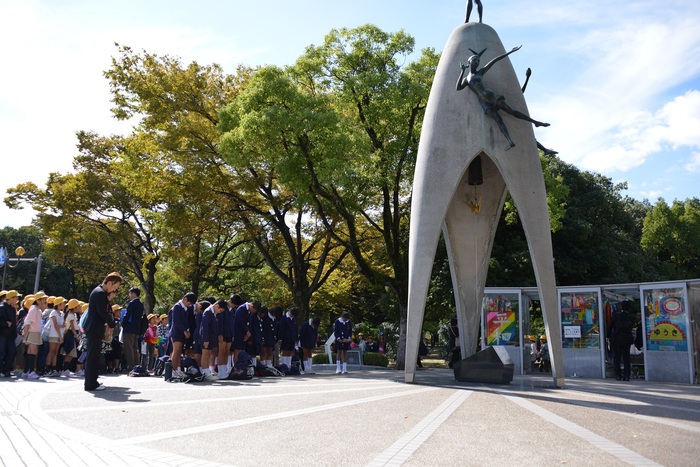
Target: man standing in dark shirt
point(99, 315)
point(131, 327)
point(621, 338)
point(8, 331)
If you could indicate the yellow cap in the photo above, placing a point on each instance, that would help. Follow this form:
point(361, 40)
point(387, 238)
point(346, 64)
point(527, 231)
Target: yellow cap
point(28, 301)
point(72, 303)
point(116, 307)
point(10, 294)
point(39, 295)
point(58, 300)
point(84, 307)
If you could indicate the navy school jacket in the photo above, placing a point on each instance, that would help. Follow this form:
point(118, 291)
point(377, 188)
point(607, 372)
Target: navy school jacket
point(288, 330)
point(342, 330)
point(308, 335)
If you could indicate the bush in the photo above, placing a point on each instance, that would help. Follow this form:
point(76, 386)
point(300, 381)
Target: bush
point(375, 359)
point(321, 359)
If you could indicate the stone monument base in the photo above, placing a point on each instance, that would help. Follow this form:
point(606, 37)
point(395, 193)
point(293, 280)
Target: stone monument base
point(492, 365)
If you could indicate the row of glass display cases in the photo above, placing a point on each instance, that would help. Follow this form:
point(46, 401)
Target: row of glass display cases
point(661, 310)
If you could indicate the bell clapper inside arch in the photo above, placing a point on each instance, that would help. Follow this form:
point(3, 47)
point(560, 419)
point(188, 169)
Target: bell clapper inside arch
point(475, 177)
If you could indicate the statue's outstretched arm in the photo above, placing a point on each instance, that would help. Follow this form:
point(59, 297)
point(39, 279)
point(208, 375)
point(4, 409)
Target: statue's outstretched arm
point(500, 57)
point(461, 84)
point(527, 79)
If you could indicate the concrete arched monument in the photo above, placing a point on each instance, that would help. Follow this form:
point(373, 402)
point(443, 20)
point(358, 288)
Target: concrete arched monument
point(485, 120)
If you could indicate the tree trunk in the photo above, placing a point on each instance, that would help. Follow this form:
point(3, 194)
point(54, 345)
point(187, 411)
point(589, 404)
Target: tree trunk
point(403, 321)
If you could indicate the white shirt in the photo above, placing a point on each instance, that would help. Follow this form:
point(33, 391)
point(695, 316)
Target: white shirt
point(59, 323)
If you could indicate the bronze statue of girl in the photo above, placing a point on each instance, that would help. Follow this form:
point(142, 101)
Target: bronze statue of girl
point(489, 100)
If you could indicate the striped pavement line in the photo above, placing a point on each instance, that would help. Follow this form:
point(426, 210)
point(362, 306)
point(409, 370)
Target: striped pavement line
point(612, 448)
point(405, 446)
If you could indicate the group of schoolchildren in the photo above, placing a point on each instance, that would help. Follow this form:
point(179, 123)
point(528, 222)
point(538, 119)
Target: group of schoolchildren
point(41, 336)
point(216, 334)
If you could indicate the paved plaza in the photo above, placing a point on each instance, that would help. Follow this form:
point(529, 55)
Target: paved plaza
point(367, 417)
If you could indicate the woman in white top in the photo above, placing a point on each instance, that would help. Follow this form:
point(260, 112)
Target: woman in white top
point(55, 335)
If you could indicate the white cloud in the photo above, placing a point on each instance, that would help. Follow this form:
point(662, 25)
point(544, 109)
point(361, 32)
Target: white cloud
point(693, 164)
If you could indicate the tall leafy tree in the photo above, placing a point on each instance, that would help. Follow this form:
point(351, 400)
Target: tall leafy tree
point(366, 74)
point(176, 160)
point(113, 218)
point(268, 133)
point(179, 108)
point(672, 235)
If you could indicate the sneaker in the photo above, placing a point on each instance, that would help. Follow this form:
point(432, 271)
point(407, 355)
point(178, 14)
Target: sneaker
point(65, 373)
point(211, 378)
point(32, 375)
point(53, 374)
point(98, 388)
point(345, 372)
point(79, 373)
point(310, 372)
point(337, 372)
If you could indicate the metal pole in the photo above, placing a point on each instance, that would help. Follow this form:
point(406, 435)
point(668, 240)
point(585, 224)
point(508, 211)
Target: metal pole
point(4, 270)
point(38, 272)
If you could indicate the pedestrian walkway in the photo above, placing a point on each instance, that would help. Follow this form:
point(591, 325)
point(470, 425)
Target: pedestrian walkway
point(364, 418)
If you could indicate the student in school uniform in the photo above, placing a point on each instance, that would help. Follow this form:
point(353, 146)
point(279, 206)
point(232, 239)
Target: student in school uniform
point(270, 324)
point(233, 303)
point(241, 330)
point(254, 344)
point(209, 337)
point(342, 328)
point(288, 335)
point(308, 337)
point(196, 341)
point(179, 330)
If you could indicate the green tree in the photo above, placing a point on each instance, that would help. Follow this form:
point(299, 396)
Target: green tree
point(114, 219)
point(267, 134)
point(179, 109)
point(595, 235)
point(672, 235)
point(381, 96)
point(175, 160)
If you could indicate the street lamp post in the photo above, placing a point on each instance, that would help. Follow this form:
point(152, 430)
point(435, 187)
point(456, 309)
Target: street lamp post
point(19, 251)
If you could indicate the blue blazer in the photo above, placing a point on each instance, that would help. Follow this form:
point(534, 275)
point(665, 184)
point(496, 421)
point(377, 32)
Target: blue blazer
point(342, 330)
point(131, 323)
point(288, 331)
point(178, 319)
point(308, 335)
point(208, 329)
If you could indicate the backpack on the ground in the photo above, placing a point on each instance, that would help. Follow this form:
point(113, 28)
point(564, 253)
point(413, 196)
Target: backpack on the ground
point(193, 375)
point(159, 367)
point(138, 370)
point(243, 368)
point(264, 370)
point(296, 365)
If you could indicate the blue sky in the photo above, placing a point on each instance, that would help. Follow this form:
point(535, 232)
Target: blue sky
point(619, 81)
